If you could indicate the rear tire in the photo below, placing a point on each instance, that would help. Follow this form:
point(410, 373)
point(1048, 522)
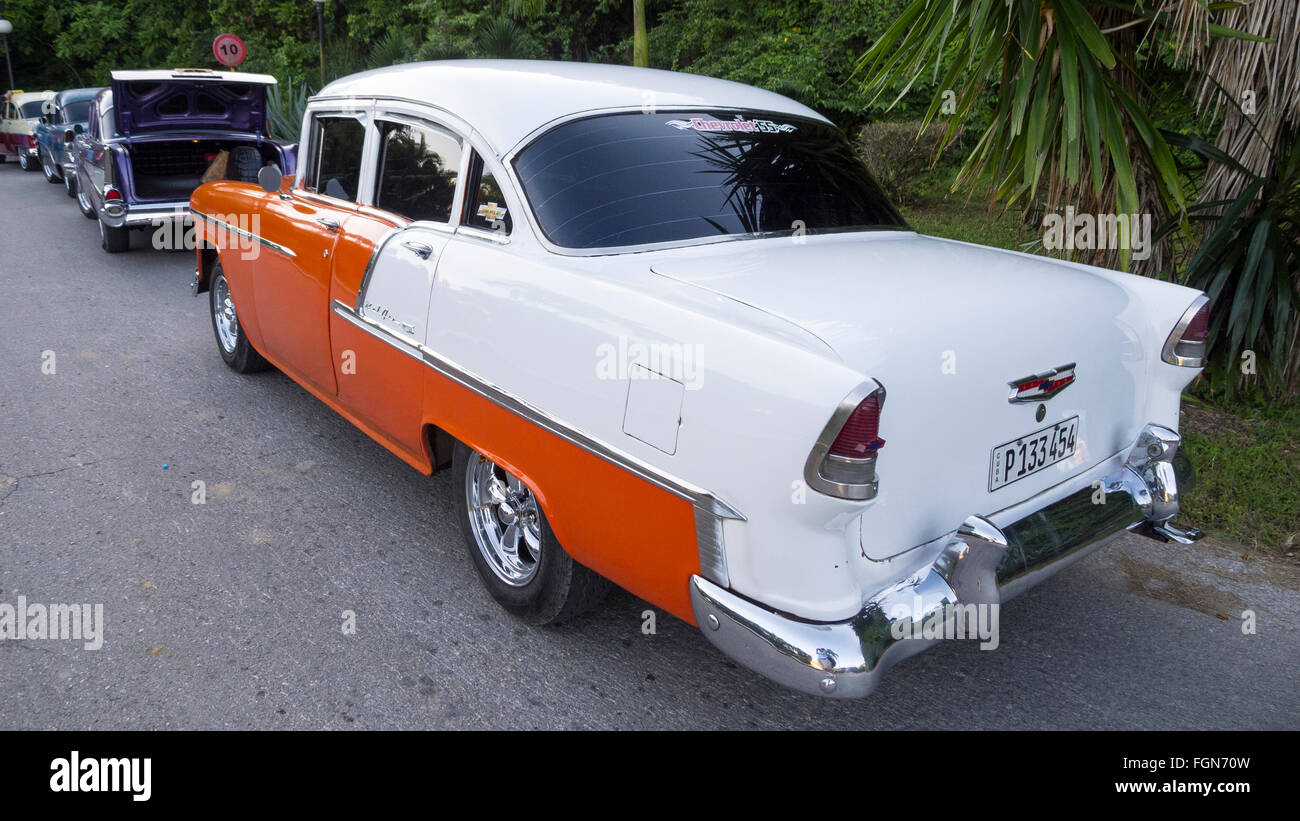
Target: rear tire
point(232, 342)
point(114, 240)
point(83, 205)
point(521, 562)
point(25, 162)
point(70, 184)
point(52, 174)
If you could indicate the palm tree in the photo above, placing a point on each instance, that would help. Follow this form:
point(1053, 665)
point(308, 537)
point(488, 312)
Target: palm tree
point(1249, 258)
point(640, 46)
point(1069, 125)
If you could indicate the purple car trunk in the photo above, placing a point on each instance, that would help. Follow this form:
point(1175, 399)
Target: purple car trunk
point(147, 101)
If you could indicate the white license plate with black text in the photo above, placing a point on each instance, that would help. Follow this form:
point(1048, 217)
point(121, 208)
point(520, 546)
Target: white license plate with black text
point(1027, 455)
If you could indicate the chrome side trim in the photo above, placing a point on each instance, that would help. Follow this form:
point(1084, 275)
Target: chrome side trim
point(705, 503)
point(712, 546)
point(1169, 353)
point(274, 246)
point(370, 267)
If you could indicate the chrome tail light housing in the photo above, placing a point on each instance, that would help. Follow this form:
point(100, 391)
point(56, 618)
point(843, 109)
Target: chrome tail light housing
point(843, 461)
point(1186, 345)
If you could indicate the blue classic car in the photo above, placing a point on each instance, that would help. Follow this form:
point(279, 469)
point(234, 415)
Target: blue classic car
point(66, 117)
point(154, 136)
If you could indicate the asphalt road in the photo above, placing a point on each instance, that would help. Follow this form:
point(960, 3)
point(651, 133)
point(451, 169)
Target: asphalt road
point(229, 614)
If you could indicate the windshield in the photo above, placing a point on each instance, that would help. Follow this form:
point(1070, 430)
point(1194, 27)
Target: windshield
point(31, 109)
point(76, 112)
point(634, 179)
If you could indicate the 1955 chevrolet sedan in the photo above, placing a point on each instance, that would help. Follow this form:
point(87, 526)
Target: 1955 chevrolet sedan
point(648, 320)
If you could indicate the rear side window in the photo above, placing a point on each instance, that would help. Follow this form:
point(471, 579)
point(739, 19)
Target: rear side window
point(417, 171)
point(335, 168)
point(76, 112)
point(485, 205)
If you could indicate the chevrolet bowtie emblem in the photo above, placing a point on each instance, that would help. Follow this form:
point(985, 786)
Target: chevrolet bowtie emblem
point(1043, 385)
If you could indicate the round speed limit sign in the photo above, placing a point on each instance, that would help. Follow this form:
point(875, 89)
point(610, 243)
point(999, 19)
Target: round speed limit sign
point(229, 49)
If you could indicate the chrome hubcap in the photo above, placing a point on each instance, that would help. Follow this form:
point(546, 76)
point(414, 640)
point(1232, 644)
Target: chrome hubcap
point(223, 316)
point(505, 519)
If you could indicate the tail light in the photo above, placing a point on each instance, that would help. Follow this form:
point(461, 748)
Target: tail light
point(843, 462)
point(1186, 343)
point(111, 194)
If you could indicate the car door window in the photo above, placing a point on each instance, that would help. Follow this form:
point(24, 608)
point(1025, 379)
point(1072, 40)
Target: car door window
point(418, 169)
point(335, 168)
point(485, 205)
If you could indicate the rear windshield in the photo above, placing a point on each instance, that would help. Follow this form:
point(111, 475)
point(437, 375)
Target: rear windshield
point(77, 112)
point(635, 179)
point(32, 109)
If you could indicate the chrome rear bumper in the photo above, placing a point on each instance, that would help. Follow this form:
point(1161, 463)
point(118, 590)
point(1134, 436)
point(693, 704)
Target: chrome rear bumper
point(118, 214)
point(980, 564)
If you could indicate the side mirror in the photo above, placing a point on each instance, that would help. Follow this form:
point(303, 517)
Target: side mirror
point(270, 177)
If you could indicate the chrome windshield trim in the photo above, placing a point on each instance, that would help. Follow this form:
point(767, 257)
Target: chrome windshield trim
point(274, 246)
point(702, 500)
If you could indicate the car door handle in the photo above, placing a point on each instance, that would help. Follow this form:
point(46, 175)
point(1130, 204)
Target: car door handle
point(419, 249)
point(331, 225)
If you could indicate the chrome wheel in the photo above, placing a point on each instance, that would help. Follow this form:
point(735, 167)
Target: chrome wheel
point(83, 202)
point(223, 315)
point(505, 521)
point(46, 170)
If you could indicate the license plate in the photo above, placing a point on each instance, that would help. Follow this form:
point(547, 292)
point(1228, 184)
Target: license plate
point(1014, 460)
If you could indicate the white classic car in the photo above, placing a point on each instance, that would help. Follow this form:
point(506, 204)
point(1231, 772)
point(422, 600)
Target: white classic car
point(649, 318)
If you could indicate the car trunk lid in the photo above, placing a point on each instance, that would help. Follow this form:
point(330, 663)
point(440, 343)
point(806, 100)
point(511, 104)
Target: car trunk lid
point(946, 327)
point(189, 99)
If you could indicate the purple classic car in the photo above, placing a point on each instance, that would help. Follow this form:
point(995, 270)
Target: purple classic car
point(154, 136)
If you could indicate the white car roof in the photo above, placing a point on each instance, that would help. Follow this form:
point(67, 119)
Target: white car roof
point(194, 74)
point(28, 96)
point(506, 100)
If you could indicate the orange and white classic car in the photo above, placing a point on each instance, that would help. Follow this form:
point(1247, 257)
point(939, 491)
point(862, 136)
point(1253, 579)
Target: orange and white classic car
point(648, 319)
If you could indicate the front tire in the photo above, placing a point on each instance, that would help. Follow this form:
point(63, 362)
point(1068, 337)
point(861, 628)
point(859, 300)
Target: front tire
point(114, 240)
point(25, 162)
point(521, 562)
point(232, 342)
